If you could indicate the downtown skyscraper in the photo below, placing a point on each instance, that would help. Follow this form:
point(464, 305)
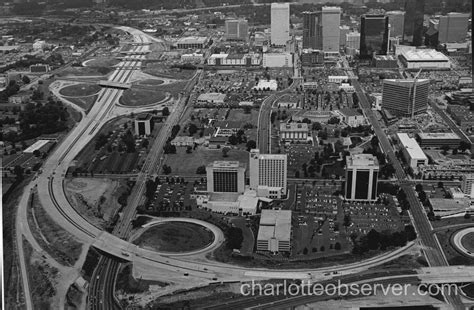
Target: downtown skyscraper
point(321, 29)
point(413, 25)
point(373, 35)
point(280, 24)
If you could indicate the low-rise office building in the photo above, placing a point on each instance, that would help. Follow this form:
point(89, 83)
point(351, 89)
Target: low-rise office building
point(274, 232)
point(412, 152)
point(438, 139)
point(294, 132)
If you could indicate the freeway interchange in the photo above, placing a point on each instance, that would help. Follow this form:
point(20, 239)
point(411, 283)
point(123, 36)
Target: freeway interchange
point(115, 245)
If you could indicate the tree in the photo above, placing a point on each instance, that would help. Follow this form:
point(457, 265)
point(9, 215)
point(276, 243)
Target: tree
point(25, 79)
point(347, 220)
point(251, 144)
point(445, 149)
point(305, 251)
point(36, 153)
point(234, 238)
point(18, 171)
point(192, 129)
point(145, 143)
point(463, 146)
point(317, 126)
point(169, 148)
point(189, 149)
point(374, 142)
point(337, 246)
point(418, 187)
point(201, 170)
point(166, 169)
point(247, 109)
point(233, 140)
point(373, 239)
point(410, 232)
point(225, 151)
point(165, 111)
point(440, 184)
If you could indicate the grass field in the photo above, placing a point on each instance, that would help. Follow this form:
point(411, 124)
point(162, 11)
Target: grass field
point(80, 90)
point(81, 71)
point(160, 70)
point(240, 116)
point(174, 88)
point(468, 241)
point(182, 163)
point(138, 97)
point(84, 102)
point(102, 62)
point(453, 256)
point(175, 237)
point(151, 82)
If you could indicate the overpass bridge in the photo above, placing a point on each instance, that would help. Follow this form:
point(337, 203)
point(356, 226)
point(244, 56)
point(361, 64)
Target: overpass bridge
point(451, 274)
point(111, 84)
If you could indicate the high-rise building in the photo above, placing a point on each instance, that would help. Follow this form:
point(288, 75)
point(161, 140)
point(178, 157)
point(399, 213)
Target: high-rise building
point(321, 29)
point(225, 177)
point(396, 19)
point(361, 177)
point(312, 30)
point(268, 174)
point(453, 27)
point(236, 29)
point(467, 184)
point(280, 24)
point(353, 40)
point(405, 97)
point(343, 31)
point(331, 19)
point(413, 25)
point(373, 35)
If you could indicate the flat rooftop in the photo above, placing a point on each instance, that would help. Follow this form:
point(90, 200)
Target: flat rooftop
point(412, 147)
point(438, 135)
point(191, 40)
point(424, 55)
point(36, 146)
point(293, 127)
point(275, 224)
point(225, 164)
point(362, 160)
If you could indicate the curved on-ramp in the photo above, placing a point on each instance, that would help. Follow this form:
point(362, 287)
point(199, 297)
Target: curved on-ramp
point(457, 241)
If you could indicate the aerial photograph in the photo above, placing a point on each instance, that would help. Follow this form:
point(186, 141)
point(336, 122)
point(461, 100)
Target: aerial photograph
point(236, 154)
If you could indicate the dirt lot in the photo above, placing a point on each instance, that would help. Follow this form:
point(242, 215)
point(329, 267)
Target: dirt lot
point(80, 90)
point(182, 163)
point(94, 198)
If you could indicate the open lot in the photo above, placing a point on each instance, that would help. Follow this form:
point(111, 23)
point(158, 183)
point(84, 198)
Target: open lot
point(82, 71)
point(239, 115)
point(94, 198)
point(161, 70)
point(102, 62)
point(84, 102)
point(185, 164)
point(138, 97)
point(175, 237)
point(60, 244)
point(80, 90)
point(468, 241)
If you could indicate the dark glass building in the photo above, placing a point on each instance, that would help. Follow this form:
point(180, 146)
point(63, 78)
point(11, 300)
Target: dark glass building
point(413, 26)
point(312, 30)
point(373, 35)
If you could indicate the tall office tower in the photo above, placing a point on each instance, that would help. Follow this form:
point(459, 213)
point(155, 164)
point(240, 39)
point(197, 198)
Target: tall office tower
point(312, 30)
point(413, 26)
point(343, 31)
point(331, 20)
point(361, 177)
point(321, 29)
point(225, 177)
point(467, 184)
point(236, 29)
point(373, 35)
point(268, 174)
point(453, 28)
point(405, 97)
point(353, 40)
point(396, 19)
point(280, 23)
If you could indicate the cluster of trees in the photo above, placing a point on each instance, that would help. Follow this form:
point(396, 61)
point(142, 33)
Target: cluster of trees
point(238, 138)
point(381, 241)
point(169, 148)
point(166, 169)
point(402, 200)
point(11, 89)
point(234, 238)
point(38, 119)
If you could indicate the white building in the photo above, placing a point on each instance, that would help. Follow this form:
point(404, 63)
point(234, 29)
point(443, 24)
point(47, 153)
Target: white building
point(412, 152)
point(361, 177)
point(192, 42)
point(274, 232)
point(225, 177)
point(39, 45)
point(280, 23)
point(467, 184)
point(234, 203)
point(331, 20)
point(295, 132)
point(215, 98)
point(353, 40)
point(338, 78)
point(268, 174)
point(266, 85)
point(273, 60)
point(194, 57)
point(251, 59)
point(351, 117)
point(183, 141)
point(236, 29)
point(424, 58)
point(143, 125)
